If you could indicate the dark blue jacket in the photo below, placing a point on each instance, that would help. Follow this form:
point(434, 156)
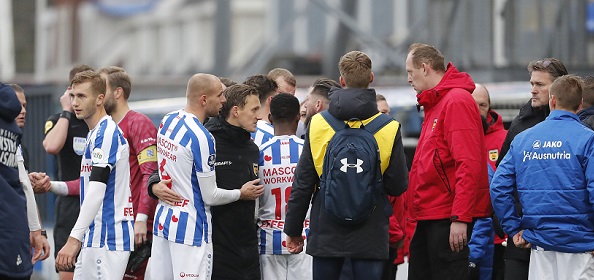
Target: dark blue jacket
point(15, 254)
point(549, 167)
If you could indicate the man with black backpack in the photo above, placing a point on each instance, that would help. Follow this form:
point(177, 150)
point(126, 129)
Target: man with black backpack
point(352, 157)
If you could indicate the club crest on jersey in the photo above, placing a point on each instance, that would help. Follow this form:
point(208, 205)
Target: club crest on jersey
point(434, 124)
point(98, 156)
point(255, 166)
point(493, 155)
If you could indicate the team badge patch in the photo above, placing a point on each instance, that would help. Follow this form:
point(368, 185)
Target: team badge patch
point(255, 166)
point(493, 155)
point(78, 145)
point(48, 126)
point(98, 156)
point(211, 161)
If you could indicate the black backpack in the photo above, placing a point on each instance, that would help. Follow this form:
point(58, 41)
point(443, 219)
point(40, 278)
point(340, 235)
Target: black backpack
point(351, 183)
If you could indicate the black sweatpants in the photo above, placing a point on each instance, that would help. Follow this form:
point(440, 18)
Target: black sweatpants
point(431, 256)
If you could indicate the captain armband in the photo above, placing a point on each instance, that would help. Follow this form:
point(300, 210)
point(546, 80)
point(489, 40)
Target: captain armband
point(147, 155)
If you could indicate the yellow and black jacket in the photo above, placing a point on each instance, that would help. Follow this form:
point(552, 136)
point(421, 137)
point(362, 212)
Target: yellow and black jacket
point(327, 238)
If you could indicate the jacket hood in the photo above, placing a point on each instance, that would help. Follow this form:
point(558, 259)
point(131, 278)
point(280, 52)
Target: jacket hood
point(451, 79)
point(10, 106)
point(495, 121)
point(225, 130)
point(351, 103)
point(585, 113)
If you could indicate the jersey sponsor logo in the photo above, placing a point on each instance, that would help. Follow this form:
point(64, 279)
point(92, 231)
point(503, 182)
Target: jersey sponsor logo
point(276, 171)
point(221, 163)
point(166, 149)
point(182, 203)
point(149, 139)
point(545, 156)
point(493, 155)
point(98, 156)
point(86, 168)
point(78, 145)
point(346, 165)
point(188, 275)
point(536, 144)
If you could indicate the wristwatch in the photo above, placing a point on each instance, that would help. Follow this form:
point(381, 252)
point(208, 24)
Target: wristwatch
point(66, 114)
point(44, 233)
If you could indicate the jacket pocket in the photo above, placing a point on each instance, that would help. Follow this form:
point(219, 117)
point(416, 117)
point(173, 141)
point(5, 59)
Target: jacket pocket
point(440, 169)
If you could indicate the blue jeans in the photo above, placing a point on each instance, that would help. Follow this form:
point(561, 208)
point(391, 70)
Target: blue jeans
point(330, 268)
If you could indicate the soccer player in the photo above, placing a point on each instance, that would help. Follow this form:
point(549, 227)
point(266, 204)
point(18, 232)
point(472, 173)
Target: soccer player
point(267, 88)
point(182, 245)
point(141, 135)
point(106, 216)
point(278, 159)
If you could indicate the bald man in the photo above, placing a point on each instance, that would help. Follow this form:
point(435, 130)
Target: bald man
point(495, 132)
point(182, 243)
point(486, 250)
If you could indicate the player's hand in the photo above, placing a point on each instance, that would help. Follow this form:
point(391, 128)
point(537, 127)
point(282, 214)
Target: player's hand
point(139, 232)
point(295, 244)
point(40, 182)
point(458, 236)
point(65, 100)
point(165, 194)
point(66, 258)
point(519, 241)
point(40, 246)
point(251, 190)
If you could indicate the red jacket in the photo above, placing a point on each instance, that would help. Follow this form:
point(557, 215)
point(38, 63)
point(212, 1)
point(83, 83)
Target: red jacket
point(494, 138)
point(448, 178)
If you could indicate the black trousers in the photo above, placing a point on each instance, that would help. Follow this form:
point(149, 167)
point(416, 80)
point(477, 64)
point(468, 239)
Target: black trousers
point(431, 256)
point(517, 261)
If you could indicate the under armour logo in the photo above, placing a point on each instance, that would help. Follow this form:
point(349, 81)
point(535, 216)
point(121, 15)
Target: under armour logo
point(346, 164)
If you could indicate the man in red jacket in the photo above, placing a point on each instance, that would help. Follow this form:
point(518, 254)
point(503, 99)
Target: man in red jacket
point(448, 179)
point(494, 137)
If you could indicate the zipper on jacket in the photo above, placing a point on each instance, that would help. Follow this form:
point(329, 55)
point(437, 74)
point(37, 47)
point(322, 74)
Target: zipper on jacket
point(438, 164)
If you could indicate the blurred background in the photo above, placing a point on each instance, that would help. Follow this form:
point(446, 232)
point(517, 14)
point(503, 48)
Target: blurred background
point(161, 43)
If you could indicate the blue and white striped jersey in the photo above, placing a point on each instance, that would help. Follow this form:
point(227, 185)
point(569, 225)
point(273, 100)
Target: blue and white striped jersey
point(278, 160)
point(113, 225)
point(186, 151)
point(264, 131)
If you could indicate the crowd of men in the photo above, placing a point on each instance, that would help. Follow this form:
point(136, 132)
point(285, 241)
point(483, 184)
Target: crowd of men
point(246, 182)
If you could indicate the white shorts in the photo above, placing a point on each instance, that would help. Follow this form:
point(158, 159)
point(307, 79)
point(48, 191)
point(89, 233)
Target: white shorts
point(100, 263)
point(556, 265)
point(290, 267)
point(170, 260)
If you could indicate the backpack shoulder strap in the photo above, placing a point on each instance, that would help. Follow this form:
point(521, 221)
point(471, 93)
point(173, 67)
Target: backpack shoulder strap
point(378, 123)
point(335, 123)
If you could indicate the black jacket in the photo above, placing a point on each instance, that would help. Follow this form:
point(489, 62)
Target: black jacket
point(587, 117)
point(329, 239)
point(234, 229)
point(527, 118)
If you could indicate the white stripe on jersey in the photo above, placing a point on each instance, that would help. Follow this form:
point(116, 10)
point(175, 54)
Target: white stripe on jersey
point(113, 225)
point(264, 132)
point(278, 160)
point(186, 151)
